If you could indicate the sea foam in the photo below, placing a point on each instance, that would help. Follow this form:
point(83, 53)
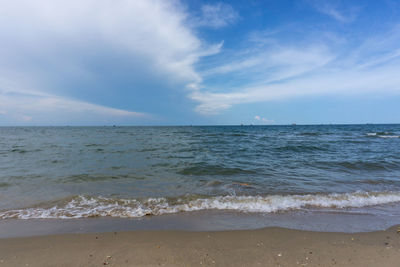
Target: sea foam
point(85, 206)
point(383, 135)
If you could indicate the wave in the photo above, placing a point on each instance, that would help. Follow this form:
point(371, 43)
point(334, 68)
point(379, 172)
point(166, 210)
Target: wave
point(377, 181)
point(209, 169)
point(359, 165)
point(86, 206)
point(383, 135)
point(300, 148)
point(83, 178)
point(310, 134)
point(23, 151)
point(93, 145)
point(379, 165)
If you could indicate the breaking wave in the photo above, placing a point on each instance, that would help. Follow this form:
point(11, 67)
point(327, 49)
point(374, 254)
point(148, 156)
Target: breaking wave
point(86, 206)
point(383, 135)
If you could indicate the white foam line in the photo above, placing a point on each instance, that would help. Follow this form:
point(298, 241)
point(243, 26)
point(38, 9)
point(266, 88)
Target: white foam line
point(83, 207)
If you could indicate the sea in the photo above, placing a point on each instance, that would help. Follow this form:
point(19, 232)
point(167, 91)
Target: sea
point(314, 177)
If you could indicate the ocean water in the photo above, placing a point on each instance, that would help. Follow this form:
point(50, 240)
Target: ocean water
point(81, 172)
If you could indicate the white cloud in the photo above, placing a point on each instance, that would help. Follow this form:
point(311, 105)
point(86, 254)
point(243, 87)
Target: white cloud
point(340, 82)
point(49, 108)
point(153, 29)
point(26, 118)
point(336, 14)
point(262, 119)
point(57, 49)
point(332, 9)
point(276, 62)
point(307, 70)
point(216, 16)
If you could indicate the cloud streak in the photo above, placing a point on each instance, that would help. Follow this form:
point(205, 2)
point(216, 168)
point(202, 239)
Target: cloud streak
point(22, 107)
point(332, 9)
point(307, 70)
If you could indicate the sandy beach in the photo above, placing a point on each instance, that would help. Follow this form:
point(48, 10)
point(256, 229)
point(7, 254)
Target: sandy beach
point(264, 247)
point(199, 133)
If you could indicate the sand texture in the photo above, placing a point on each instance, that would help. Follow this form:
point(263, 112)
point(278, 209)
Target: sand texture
point(265, 247)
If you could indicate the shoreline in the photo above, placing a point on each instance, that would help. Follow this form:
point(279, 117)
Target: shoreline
point(209, 220)
point(271, 246)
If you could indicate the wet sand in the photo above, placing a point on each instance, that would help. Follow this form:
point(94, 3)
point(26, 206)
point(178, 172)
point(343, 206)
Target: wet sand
point(264, 247)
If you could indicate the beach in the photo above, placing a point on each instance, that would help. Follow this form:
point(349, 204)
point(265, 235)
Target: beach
point(200, 196)
point(264, 247)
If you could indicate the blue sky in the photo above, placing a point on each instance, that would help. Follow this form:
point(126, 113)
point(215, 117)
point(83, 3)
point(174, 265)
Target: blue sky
point(161, 62)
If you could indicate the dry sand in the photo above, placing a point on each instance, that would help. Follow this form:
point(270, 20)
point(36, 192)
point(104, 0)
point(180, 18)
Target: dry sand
point(265, 247)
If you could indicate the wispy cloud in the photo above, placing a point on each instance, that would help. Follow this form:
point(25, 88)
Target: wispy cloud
point(344, 82)
point(306, 70)
point(37, 107)
point(334, 10)
point(275, 62)
point(216, 15)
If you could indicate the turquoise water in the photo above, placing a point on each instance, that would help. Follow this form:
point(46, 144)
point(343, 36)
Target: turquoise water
point(75, 172)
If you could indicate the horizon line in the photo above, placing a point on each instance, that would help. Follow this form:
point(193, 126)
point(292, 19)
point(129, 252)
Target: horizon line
point(205, 125)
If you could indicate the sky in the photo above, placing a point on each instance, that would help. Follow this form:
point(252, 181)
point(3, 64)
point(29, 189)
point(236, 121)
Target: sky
point(171, 62)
